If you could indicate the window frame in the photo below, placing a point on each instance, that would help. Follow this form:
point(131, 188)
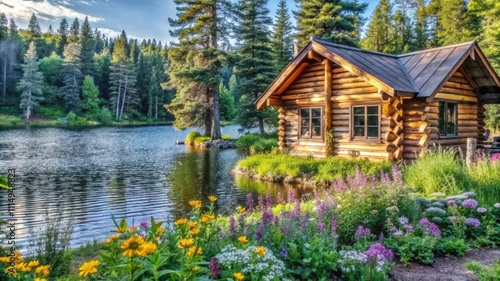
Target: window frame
point(379, 120)
point(455, 121)
point(299, 129)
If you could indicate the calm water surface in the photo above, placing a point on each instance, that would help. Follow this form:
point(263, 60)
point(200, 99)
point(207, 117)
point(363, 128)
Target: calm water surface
point(130, 172)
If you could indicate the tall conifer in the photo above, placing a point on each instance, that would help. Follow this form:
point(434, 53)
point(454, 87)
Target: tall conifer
point(282, 41)
point(30, 84)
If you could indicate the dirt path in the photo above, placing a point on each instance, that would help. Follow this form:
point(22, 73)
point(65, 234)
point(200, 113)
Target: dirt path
point(445, 268)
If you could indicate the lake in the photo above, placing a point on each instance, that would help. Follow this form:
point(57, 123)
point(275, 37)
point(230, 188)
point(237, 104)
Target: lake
point(90, 174)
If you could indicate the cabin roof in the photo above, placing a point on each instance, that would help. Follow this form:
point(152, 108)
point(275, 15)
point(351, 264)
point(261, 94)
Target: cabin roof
point(420, 74)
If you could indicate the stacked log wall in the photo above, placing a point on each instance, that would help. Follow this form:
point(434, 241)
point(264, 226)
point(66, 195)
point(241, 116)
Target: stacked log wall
point(306, 90)
point(349, 89)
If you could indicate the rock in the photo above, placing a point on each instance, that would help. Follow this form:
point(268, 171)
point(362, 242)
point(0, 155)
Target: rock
point(438, 205)
point(470, 195)
point(219, 144)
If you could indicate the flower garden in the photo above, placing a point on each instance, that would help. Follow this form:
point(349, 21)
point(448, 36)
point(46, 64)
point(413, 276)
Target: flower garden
point(357, 229)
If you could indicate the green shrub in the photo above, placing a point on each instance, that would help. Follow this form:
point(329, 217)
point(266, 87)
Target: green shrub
point(438, 171)
point(201, 139)
point(451, 246)
point(192, 136)
point(52, 112)
point(263, 146)
point(485, 273)
point(246, 141)
point(104, 116)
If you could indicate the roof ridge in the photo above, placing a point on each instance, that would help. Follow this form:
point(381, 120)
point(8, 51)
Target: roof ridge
point(353, 48)
point(437, 48)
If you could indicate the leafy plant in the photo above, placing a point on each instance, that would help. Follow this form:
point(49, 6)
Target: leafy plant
point(485, 273)
point(451, 246)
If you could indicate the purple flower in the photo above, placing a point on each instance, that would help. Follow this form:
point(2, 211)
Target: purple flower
point(408, 227)
point(429, 227)
point(214, 267)
point(250, 203)
point(284, 230)
point(269, 201)
point(360, 232)
point(259, 231)
point(481, 210)
point(339, 185)
point(260, 203)
point(396, 175)
point(267, 217)
point(334, 225)
point(495, 157)
point(469, 203)
point(321, 226)
point(384, 177)
point(232, 225)
point(381, 237)
point(279, 198)
point(283, 252)
point(451, 203)
point(296, 211)
point(291, 195)
point(452, 219)
point(144, 224)
point(241, 219)
point(379, 252)
point(473, 222)
point(403, 220)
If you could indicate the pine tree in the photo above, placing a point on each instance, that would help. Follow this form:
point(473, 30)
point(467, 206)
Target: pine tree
point(74, 31)
point(227, 108)
point(154, 93)
point(52, 70)
point(88, 43)
point(282, 42)
point(452, 21)
point(255, 60)
point(90, 94)
point(62, 31)
point(9, 53)
point(379, 34)
point(34, 30)
point(332, 20)
point(50, 30)
point(30, 83)
point(421, 36)
point(196, 61)
point(4, 27)
point(72, 75)
point(403, 27)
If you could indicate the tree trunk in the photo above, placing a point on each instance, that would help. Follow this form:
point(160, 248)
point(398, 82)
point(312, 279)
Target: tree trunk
point(208, 115)
point(156, 107)
point(4, 78)
point(215, 132)
point(117, 110)
point(124, 95)
point(261, 125)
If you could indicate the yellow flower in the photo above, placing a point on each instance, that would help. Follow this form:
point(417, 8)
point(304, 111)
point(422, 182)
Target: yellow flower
point(34, 263)
point(195, 269)
point(194, 231)
point(131, 246)
point(261, 251)
point(207, 218)
point(118, 230)
point(161, 230)
point(23, 267)
point(133, 229)
point(192, 224)
point(12, 271)
point(39, 279)
point(212, 198)
point(243, 239)
point(5, 259)
point(147, 248)
point(239, 276)
point(88, 268)
point(195, 204)
point(184, 243)
point(194, 250)
point(241, 209)
point(19, 257)
point(179, 222)
point(107, 241)
point(114, 237)
point(43, 270)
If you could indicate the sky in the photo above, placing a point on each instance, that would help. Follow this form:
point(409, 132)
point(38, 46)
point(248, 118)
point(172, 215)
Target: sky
point(141, 19)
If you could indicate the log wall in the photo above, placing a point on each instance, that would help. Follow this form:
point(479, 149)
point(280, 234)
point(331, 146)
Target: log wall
point(421, 118)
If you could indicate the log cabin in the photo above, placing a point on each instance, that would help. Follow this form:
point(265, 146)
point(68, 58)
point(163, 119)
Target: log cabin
point(335, 100)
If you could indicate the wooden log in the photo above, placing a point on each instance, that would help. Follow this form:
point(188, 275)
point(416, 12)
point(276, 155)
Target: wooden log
point(423, 140)
point(328, 97)
point(302, 96)
point(455, 97)
point(348, 80)
point(471, 151)
point(391, 148)
point(274, 102)
point(468, 135)
point(296, 85)
point(464, 86)
point(350, 85)
point(318, 90)
point(348, 98)
point(311, 79)
point(467, 123)
point(366, 90)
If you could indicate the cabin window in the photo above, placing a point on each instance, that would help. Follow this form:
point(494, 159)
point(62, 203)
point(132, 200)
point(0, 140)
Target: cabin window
point(310, 122)
point(447, 119)
point(366, 122)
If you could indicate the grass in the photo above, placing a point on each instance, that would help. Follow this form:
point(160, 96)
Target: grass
point(485, 177)
point(283, 165)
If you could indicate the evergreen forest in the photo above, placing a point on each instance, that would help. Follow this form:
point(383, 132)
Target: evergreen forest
point(226, 53)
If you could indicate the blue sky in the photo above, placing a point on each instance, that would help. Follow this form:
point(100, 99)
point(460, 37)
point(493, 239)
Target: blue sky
point(139, 18)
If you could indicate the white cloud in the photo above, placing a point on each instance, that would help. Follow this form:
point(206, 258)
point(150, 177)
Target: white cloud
point(111, 33)
point(43, 9)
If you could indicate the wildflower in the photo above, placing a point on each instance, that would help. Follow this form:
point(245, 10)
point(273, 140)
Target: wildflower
point(194, 231)
point(495, 157)
point(279, 198)
point(239, 276)
point(88, 268)
point(131, 246)
point(469, 203)
point(243, 239)
point(214, 267)
point(194, 250)
point(283, 252)
point(429, 227)
point(34, 263)
point(397, 233)
point(232, 225)
point(5, 259)
point(497, 205)
point(403, 220)
point(334, 224)
point(196, 204)
point(39, 279)
point(378, 251)
point(392, 209)
point(192, 224)
point(481, 210)
point(360, 232)
point(320, 226)
point(261, 251)
point(144, 224)
point(118, 230)
point(23, 267)
point(185, 242)
point(180, 222)
point(114, 237)
point(452, 219)
point(147, 248)
point(473, 222)
point(212, 198)
point(11, 271)
point(408, 227)
point(241, 209)
point(43, 270)
point(207, 218)
point(133, 229)
point(260, 229)
point(161, 229)
point(267, 217)
point(260, 205)
point(451, 203)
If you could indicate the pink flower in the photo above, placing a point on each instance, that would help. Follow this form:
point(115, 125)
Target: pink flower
point(452, 219)
point(451, 203)
point(144, 224)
